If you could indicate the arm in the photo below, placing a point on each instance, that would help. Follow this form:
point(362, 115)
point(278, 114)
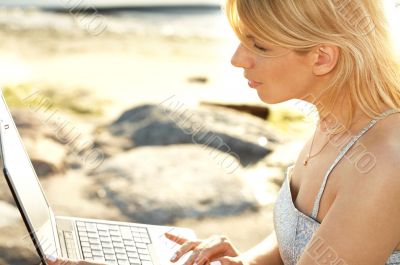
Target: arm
point(266, 252)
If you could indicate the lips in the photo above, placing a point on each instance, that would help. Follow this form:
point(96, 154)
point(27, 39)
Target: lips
point(253, 84)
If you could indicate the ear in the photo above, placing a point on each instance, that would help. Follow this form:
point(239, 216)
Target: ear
point(325, 59)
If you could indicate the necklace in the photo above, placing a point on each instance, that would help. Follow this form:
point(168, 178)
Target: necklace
point(309, 156)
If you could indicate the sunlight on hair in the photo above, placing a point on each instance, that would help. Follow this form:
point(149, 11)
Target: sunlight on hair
point(392, 9)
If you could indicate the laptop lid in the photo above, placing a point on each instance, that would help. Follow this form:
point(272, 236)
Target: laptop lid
point(25, 187)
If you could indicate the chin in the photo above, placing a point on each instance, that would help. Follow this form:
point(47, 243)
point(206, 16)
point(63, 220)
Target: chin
point(272, 100)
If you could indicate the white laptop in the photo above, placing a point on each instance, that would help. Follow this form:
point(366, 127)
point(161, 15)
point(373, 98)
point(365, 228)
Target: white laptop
point(76, 238)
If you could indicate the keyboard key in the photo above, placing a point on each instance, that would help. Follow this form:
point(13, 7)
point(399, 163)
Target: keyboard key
point(120, 250)
point(81, 228)
point(94, 241)
point(86, 249)
point(132, 249)
point(146, 240)
point(85, 244)
point(119, 245)
point(129, 243)
point(83, 233)
point(141, 245)
point(80, 223)
point(121, 256)
point(107, 245)
point(115, 233)
point(97, 253)
point(145, 262)
point(143, 230)
point(116, 239)
point(96, 247)
point(102, 227)
point(143, 251)
point(134, 261)
point(110, 257)
point(99, 259)
point(108, 251)
point(132, 254)
point(104, 233)
point(138, 239)
point(144, 257)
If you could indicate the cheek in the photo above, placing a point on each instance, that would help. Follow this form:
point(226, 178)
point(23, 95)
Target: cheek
point(283, 81)
point(287, 74)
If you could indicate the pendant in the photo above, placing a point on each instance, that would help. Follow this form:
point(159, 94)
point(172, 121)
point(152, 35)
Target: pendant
point(306, 161)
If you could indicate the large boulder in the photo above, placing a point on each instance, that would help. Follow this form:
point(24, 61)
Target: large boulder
point(46, 149)
point(9, 214)
point(239, 134)
point(159, 185)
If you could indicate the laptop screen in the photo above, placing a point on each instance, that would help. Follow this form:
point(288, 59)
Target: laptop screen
point(25, 182)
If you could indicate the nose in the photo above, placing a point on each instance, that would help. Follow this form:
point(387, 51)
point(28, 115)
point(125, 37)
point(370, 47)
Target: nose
point(241, 58)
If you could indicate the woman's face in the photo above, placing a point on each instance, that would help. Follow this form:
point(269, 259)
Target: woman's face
point(286, 76)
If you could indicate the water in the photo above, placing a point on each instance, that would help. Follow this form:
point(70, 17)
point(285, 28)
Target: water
point(178, 18)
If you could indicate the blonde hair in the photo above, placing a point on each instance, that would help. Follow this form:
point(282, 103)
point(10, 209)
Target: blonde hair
point(367, 73)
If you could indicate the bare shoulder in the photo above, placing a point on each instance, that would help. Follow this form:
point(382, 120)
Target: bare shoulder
point(377, 173)
point(383, 147)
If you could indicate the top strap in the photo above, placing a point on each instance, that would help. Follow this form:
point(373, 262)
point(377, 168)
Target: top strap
point(352, 141)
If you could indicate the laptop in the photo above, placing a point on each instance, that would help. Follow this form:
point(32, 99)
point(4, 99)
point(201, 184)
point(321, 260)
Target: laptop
point(104, 241)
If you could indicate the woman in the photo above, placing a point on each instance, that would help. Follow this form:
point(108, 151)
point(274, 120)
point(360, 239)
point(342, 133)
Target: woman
point(339, 203)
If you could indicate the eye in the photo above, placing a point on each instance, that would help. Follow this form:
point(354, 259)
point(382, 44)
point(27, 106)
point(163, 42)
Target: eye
point(259, 47)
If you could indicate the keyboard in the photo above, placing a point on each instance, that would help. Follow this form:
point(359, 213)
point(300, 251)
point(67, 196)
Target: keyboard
point(114, 244)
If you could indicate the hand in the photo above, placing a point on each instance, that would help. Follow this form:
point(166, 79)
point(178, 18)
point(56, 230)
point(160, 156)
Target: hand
point(52, 261)
point(216, 249)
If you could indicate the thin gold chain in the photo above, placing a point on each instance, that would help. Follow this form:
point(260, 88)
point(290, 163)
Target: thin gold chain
point(309, 156)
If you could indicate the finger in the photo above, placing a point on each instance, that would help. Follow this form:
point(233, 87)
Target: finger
point(214, 248)
point(192, 258)
point(185, 248)
point(175, 238)
point(52, 260)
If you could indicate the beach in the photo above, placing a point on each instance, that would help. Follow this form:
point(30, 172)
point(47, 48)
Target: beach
point(142, 57)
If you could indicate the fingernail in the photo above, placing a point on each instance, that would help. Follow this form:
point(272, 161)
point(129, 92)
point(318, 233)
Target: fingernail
point(174, 257)
point(215, 263)
point(51, 258)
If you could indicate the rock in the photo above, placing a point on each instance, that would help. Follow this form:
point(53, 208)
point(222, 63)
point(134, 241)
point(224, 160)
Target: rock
point(255, 110)
point(16, 248)
point(45, 148)
point(9, 214)
point(241, 135)
point(159, 185)
point(17, 255)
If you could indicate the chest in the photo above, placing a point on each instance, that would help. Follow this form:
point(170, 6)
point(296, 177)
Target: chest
point(306, 182)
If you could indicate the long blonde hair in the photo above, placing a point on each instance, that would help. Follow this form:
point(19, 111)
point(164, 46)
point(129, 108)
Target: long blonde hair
point(367, 73)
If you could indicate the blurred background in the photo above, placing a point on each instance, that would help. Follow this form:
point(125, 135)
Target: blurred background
point(131, 111)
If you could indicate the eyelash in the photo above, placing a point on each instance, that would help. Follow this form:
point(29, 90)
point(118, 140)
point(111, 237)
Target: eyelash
point(260, 48)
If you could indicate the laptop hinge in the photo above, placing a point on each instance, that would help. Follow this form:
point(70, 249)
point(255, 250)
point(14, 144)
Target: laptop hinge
point(55, 232)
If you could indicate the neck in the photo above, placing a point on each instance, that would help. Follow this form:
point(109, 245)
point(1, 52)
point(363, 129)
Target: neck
point(338, 118)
